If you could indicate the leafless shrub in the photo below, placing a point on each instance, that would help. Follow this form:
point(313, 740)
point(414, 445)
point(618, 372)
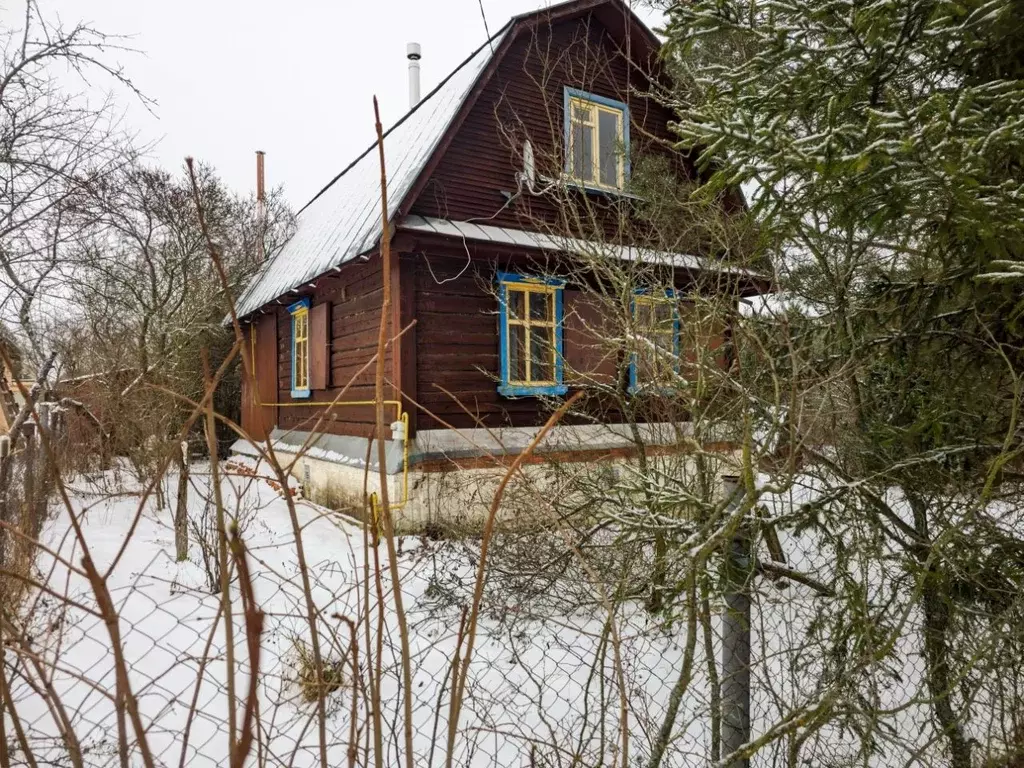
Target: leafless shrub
point(316, 682)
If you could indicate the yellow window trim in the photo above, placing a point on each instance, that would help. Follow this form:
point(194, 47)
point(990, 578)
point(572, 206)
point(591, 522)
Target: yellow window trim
point(655, 333)
point(300, 342)
point(643, 300)
point(593, 110)
point(528, 323)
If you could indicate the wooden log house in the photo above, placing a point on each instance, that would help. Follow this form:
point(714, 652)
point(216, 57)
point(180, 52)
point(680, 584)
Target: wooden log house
point(481, 261)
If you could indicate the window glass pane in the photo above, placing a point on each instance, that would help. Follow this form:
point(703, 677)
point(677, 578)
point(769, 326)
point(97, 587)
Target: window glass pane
point(643, 315)
point(582, 152)
point(530, 334)
point(580, 113)
point(541, 345)
point(664, 323)
point(655, 355)
point(663, 315)
point(646, 362)
point(516, 353)
point(300, 365)
point(608, 132)
point(654, 365)
point(540, 307)
point(516, 310)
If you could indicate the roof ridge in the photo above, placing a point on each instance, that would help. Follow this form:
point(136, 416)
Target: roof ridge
point(589, 5)
point(409, 113)
point(555, 8)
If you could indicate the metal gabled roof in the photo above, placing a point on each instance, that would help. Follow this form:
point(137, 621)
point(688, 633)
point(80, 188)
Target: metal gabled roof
point(343, 220)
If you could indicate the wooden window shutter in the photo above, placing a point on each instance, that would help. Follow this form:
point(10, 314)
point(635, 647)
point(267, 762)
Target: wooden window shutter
point(319, 346)
point(590, 356)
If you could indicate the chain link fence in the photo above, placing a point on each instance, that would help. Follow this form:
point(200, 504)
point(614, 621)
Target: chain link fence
point(569, 666)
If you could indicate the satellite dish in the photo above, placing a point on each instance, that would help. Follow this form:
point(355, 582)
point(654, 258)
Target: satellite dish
point(529, 166)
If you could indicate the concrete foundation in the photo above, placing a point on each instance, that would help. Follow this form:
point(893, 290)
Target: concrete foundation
point(452, 476)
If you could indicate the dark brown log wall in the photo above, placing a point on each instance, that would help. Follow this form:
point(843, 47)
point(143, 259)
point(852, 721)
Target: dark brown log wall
point(457, 347)
point(524, 99)
point(449, 361)
point(354, 297)
point(261, 340)
point(457, 354)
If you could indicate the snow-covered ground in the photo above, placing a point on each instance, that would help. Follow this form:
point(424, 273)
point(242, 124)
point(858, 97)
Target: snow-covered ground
point(542, 690)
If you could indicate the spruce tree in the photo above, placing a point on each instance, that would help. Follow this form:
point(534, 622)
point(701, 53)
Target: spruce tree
point(882, 144)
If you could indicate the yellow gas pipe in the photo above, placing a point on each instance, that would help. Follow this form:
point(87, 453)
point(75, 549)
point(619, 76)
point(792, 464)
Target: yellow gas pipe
point(402, 416)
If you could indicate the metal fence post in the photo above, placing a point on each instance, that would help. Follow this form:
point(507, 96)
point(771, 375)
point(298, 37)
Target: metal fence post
point(736, 637)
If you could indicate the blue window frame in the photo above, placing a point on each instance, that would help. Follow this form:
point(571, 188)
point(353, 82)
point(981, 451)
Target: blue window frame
point(655, 359)
point(530, 334)
point(300, 348)
point(596, 140)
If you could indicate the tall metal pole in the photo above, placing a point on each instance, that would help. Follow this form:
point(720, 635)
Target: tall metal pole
point(735, 680)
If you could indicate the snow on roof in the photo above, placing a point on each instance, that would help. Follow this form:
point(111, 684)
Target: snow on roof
point(539, 240)
point(343, 220)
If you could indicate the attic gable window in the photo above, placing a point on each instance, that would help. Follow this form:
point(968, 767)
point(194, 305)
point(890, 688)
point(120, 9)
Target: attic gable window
point(596, 140)
point(530, 335)
point(300, 348)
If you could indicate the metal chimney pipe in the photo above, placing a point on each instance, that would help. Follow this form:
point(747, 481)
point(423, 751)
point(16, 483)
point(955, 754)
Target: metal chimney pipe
point(261, 194)
point(414, 54)
point(261, 204)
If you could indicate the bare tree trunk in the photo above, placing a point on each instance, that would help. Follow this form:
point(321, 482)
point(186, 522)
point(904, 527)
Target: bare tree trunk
point(714, 685)
point(936, 654)
point(935, 606)
point(44, 481)
point(29, 462)
point(735, 680)
point(161, 494)
point(659, 572)
point(6, 460)
point(181, 510)
point(385, 504)
point(685, 675)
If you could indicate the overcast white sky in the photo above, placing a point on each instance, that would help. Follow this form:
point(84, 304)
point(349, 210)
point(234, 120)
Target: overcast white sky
point(294, 78)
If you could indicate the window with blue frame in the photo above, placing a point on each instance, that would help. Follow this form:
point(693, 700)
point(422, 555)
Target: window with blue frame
point(656, 330)
point(300, 348)
point(530, 333)
point(596, 140)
